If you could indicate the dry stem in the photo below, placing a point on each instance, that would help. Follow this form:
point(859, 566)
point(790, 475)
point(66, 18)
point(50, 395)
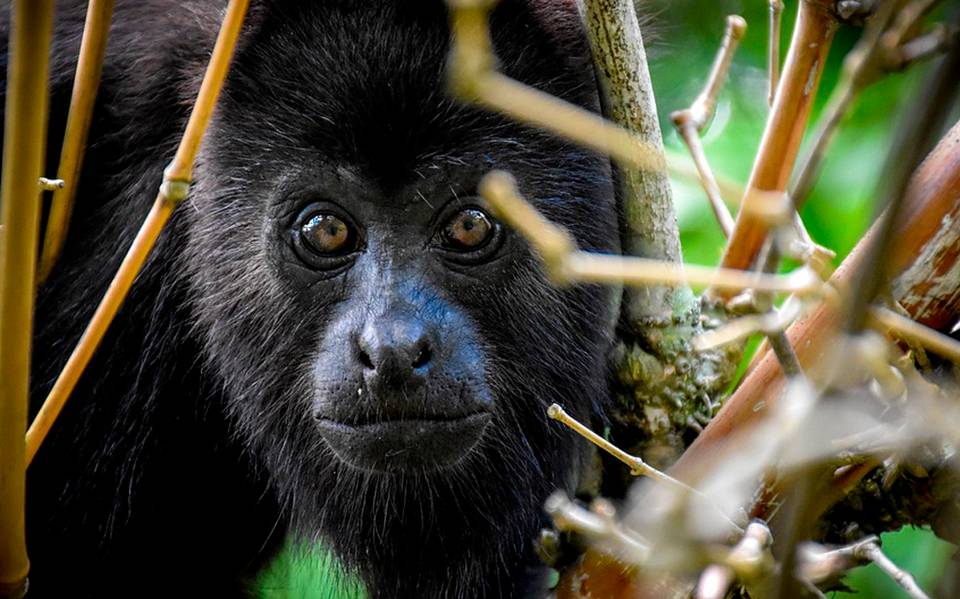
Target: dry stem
point(85, 83)
point(781, 139)
point(25, 124)
point(690, 122)
point(172, 192)
point(637, 466)
point(911, 331)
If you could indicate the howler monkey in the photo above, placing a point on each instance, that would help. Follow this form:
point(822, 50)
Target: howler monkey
point(335, 341)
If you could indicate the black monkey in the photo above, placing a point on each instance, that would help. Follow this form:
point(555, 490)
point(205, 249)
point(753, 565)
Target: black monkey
point(334, 339)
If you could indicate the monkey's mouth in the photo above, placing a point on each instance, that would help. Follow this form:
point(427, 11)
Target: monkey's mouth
point(408, 445)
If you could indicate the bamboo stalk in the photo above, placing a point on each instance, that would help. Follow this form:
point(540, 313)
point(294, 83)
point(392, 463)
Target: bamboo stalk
point(93, 46)
point(928, 223)
point(809, 47)
point(25, 123)
point(173, 191)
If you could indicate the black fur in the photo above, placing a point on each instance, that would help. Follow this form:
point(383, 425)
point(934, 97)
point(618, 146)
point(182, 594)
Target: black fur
point(189, 451)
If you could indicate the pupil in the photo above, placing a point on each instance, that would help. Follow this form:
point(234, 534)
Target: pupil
point(325, 233)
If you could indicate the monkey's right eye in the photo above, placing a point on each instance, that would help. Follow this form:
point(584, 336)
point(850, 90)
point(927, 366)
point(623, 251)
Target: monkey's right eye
point(327, 234)
point(325, 238)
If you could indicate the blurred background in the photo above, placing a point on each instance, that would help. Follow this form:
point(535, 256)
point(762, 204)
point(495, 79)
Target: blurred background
point(682, 41)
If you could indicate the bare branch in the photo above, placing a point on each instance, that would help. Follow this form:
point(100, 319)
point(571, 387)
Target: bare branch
point(872, 552)
point(691, 121)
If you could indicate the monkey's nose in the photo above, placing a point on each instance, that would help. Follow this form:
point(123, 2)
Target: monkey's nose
point(398, 353)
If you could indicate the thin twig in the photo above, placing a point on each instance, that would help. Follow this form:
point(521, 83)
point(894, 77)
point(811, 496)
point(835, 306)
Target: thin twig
point(25, 121)
point(773, 49)
point(173, 191)
point(566, 264)
point(638, 467)
point(872, 552)
point(691, 121)
point(93, 46)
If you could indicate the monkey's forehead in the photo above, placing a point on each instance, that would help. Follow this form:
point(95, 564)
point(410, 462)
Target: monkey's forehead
point(366, 80)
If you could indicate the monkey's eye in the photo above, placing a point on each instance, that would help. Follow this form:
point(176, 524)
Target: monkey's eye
point(325, 238)
point(327, 234)
point(467, 230)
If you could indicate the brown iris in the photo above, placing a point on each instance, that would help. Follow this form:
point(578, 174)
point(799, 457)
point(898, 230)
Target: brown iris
point(326, 234)
point(468, 229)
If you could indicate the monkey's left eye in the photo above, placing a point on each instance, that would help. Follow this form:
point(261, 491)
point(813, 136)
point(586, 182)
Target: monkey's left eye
point(467, 230)
point(327, 234)
point(325, 238)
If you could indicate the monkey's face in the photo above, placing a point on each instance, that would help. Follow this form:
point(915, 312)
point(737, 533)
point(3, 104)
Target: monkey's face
point(362, 307)
point(399, 373)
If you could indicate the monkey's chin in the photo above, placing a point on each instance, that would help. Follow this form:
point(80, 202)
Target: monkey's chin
point(397, 446)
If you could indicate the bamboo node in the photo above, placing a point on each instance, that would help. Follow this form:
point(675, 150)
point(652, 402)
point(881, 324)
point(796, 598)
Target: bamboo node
point(174, 189)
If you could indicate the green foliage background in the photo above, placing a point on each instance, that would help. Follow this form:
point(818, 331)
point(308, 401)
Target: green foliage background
point(685, 36)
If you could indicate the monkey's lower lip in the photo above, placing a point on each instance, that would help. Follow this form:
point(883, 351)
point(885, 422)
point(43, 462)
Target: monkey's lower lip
point(404, 445)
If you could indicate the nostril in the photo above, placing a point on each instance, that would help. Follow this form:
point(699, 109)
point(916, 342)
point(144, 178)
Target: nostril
point(423, 356)
point(364, 358)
